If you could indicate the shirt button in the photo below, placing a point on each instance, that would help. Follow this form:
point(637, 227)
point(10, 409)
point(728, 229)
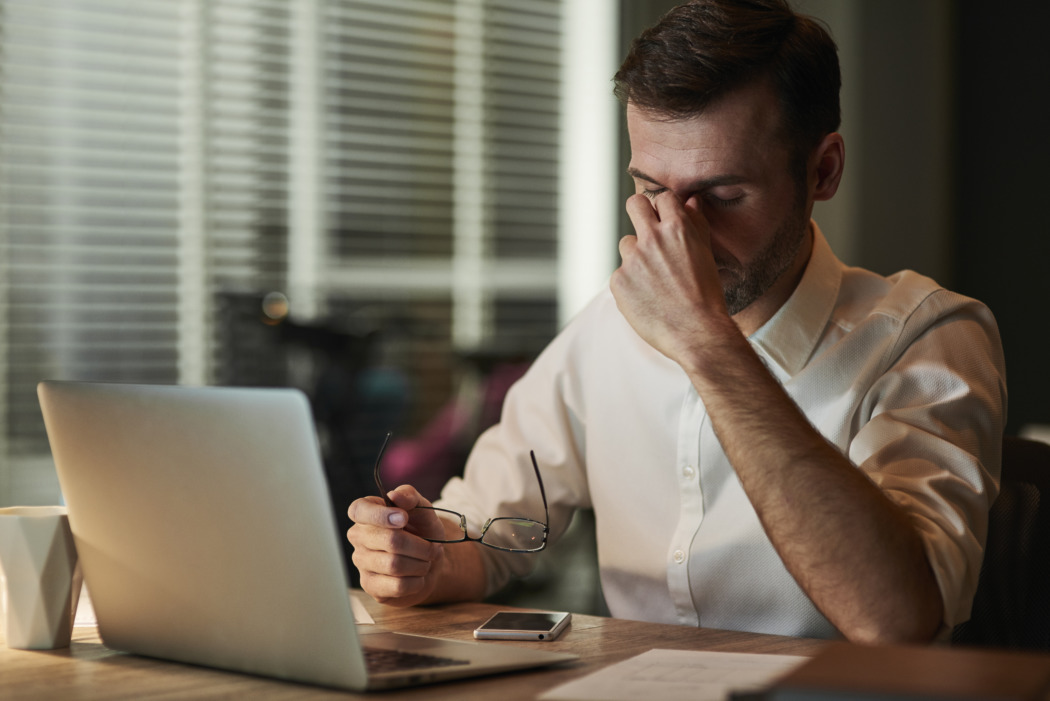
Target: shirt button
point(679, 556)
point(689, 471)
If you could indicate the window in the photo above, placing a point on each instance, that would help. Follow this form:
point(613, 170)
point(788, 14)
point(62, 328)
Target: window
point(388, 167)
point(89, 200)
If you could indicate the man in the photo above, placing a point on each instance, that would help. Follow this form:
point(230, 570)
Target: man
point(770, 440)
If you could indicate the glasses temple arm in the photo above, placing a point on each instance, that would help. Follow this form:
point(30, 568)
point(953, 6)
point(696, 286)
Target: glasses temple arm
point(543, 492)
point(375, 471)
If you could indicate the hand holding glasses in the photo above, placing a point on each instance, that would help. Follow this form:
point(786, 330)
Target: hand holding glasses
point(516, 535)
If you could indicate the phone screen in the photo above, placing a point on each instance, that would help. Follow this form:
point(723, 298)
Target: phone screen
point(523, 620)
point(523, 625)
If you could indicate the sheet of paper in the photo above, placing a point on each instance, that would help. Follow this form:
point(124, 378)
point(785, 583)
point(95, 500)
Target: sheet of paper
point(361, 614)
point(85, 615)
point(676, 675)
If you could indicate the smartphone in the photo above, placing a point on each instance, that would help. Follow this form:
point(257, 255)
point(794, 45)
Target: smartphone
point(523, 625)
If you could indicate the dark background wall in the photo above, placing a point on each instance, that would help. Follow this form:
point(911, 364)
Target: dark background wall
point(1002, 181)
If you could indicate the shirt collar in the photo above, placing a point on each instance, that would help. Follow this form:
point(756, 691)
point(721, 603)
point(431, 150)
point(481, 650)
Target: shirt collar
point(789, 337)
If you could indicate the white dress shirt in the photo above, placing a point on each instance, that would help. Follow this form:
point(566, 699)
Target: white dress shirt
point(903, 376)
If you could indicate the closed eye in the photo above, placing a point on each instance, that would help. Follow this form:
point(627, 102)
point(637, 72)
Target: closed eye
point(711, 199)
point(725, 203)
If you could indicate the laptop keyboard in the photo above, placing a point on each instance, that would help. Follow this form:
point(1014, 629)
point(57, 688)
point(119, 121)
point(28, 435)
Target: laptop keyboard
point(381, 660)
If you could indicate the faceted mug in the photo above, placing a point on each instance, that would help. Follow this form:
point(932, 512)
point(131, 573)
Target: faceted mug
point(39, 577)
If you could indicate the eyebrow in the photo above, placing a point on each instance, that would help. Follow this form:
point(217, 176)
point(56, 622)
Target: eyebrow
point(704, 184)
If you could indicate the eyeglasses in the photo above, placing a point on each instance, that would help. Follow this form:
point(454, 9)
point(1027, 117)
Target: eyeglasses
point(516, 535)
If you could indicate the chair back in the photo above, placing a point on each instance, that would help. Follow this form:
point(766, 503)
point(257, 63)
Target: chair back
point(1012, 606)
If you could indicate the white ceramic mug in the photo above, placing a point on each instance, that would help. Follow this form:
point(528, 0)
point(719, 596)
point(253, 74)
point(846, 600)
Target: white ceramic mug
point(39, 577)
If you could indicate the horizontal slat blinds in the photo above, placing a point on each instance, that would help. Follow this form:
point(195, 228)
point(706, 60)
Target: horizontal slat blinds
point(246, 107)
point(523, 106)
point(440, 170)
point(391, 91)
point(390, 165)
point(389, 116)
point(89, 171)
point(246, 51)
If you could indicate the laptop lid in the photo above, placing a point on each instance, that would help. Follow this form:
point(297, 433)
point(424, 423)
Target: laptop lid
point(203, 524)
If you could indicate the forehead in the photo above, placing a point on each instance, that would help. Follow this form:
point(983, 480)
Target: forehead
point(738, 134)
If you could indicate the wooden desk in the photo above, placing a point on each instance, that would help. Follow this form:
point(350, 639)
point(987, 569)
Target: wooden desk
point(88, 670)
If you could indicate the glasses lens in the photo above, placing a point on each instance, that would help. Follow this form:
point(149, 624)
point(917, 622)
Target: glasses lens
point(514, 534)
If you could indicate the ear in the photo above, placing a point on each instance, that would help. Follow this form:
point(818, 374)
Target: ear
point(826, 166)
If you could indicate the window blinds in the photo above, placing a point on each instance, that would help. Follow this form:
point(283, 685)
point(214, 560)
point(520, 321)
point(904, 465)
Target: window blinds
point(89, 198)
point(166, 163)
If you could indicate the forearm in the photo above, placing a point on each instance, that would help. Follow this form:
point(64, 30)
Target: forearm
point(856, 554)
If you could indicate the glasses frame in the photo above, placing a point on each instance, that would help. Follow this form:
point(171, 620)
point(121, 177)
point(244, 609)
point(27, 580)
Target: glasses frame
point(463, 519)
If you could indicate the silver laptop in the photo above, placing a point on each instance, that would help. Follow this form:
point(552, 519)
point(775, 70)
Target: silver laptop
point(203, 524)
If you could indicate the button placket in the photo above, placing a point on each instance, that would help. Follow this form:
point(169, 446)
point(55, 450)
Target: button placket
point(690, 514)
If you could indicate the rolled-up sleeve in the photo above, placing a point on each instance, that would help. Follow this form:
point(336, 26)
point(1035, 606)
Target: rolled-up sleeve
point(931, 435)
point(539, 414)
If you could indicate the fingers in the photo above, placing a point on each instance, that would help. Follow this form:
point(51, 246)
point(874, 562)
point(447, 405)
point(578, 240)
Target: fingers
point(395, 579)
point(661, 213)
point(395, 567)
point(642, 206)
point(664, 219)
point(396, 591)
point(381, 528)
point(651, 217)
point(695, 215)
point(408, 498)
point(403, 571)
point(394, 563)
point(627, 245)
point(393, 541)
point(643, 214)
point(373, 511)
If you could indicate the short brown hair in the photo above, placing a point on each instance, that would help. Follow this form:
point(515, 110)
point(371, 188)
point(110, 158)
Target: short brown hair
point(704, 49)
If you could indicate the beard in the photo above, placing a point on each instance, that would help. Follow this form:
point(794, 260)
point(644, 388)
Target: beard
point(750, 282)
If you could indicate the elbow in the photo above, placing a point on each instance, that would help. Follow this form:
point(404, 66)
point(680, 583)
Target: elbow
point(891, 635)
point(917, 626)
point(915, 615)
